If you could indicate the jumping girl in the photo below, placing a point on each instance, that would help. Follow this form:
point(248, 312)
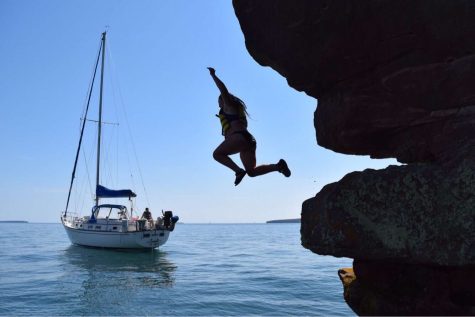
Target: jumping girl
point(233, 116)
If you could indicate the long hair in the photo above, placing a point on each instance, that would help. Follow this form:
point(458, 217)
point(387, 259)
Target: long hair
point(239, 104)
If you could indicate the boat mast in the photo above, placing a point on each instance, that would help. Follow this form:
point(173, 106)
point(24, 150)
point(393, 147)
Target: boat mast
point(100, 114)
point(82, 130)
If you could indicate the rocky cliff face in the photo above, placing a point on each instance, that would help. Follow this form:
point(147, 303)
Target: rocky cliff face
point(392, 79)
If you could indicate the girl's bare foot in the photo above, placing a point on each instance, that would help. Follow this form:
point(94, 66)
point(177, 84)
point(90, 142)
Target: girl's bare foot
point(283, 168)
point(239, 176)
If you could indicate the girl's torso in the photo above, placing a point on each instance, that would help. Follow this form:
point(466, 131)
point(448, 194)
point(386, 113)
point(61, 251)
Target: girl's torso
point(232, 120)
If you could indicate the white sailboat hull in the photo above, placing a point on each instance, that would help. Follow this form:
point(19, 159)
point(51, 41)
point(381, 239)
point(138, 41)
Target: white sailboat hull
point(149, 239)
point(109, 234)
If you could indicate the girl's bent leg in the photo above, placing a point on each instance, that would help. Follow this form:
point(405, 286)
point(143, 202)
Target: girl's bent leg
point(222, 152)
point(248, 159)
point(226, 161)
point(263, 169)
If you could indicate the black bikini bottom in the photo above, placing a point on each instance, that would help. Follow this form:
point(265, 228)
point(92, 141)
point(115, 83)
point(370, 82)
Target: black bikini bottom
point(249, 138)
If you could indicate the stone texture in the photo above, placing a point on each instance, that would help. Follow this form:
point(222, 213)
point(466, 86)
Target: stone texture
point(392, 78)
point(418, 213)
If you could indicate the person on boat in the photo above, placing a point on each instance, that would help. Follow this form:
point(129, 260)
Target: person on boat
point(237, 139)
point(147, 215)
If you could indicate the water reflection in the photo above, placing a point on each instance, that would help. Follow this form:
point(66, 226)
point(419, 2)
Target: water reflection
point(153, 266)
point(110, 277)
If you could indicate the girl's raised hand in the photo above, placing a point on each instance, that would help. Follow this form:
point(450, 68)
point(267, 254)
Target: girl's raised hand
point(211, 70)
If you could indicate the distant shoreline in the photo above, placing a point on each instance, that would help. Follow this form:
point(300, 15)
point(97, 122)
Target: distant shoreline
point(13, 221)
point(296, 220)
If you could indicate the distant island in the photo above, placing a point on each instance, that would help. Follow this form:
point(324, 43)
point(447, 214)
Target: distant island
point(297, 220)
point(13, 221)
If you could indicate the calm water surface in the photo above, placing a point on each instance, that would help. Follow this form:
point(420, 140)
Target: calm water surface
point(229, 269)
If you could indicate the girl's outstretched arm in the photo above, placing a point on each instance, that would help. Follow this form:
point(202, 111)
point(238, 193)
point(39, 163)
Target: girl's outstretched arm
point(221, 86)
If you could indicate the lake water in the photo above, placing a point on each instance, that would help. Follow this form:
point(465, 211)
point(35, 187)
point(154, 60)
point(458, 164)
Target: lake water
point(203, 270)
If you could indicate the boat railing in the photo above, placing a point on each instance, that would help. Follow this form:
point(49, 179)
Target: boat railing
point(70, 217)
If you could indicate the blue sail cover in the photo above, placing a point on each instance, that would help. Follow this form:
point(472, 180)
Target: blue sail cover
point(103, 192)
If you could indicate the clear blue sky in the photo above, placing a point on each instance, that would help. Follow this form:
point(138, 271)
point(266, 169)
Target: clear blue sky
point(159, 54)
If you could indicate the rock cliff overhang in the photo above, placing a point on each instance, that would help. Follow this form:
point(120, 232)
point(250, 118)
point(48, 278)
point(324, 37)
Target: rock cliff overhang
point(392, 78)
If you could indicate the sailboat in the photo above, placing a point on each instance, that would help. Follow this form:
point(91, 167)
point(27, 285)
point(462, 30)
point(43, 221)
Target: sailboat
point(112, 225)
